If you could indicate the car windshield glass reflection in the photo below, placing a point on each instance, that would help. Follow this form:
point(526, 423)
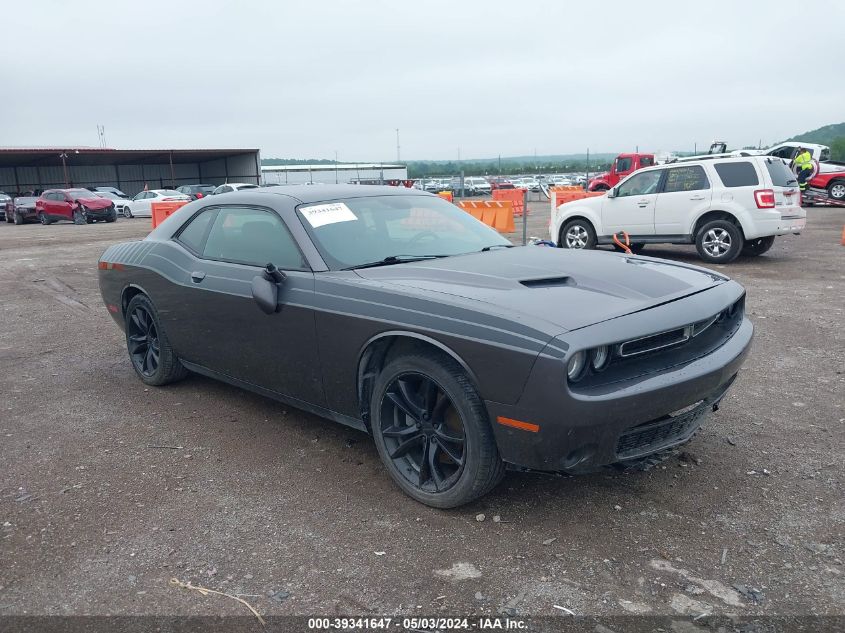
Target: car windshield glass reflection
point(358, 231)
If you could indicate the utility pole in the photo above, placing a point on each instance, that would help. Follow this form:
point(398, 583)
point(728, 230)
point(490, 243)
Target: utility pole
point(398, 154)
point(335, 167)
point(63, 156)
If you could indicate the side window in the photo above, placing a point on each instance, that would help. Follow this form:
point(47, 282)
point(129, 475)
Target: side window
point(737, 174)
point(194, 234)
point(689, 178)
point(646, 161)
point(824, 154)
point(640, 184)
point(623, 164)
point(248, 235)
point(140, 196)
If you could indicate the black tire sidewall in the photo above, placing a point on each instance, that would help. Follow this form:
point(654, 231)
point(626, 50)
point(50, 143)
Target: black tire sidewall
point(737, 242)
point(591, 234)
point(477, 430)
point(169, 368)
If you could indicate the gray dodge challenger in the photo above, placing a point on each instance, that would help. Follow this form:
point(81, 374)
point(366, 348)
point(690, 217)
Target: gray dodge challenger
point(394, 312)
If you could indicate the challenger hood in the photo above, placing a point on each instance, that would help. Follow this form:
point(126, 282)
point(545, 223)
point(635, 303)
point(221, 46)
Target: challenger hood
point(566, 288)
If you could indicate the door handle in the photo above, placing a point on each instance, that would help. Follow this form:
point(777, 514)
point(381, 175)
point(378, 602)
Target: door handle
point(697, 198)
point(643, 203)
point(197, 276)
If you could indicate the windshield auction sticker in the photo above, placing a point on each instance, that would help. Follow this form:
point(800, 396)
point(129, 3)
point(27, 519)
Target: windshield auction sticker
point(322, 214)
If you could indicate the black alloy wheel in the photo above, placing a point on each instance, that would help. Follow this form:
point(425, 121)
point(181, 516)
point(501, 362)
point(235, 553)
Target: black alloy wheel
point(425, 438)
point(432, 431)
point(79, 216)
point(153, 359)
point(142, 340)
point(42, 217)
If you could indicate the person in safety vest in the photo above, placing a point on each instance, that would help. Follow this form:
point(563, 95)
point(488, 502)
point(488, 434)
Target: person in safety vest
point(804, 163)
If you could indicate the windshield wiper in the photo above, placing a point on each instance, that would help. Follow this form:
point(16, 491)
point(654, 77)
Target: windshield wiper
point(394, 259)
point(492, 246)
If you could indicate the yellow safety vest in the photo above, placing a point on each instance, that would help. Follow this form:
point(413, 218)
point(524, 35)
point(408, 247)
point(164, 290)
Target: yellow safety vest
point(804, 160)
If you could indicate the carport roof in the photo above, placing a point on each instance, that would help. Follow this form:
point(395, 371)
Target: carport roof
point(40, 156)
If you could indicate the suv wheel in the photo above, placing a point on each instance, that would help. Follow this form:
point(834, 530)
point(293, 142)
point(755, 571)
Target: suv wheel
point(719, 242)
point(578, 234)
point(758, 246)
point(431, 431)
point(837, 190)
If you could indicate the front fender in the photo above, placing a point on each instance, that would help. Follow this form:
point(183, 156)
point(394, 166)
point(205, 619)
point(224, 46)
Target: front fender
point(564, 213)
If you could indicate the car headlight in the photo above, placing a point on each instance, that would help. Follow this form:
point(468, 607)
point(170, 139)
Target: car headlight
point(601, 357)
point(576, 365)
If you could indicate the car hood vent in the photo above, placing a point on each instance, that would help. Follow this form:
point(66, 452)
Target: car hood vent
point(548, 282)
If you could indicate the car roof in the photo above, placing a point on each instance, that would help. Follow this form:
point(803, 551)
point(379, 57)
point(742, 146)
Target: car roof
point(319, 193)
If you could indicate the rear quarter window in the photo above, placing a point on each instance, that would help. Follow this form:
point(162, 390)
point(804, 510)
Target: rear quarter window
point(737, 174)
point(780, 174)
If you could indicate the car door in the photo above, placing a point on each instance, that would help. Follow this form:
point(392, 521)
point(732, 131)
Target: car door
point(685, 194)
point(217, 324)
point(631, 209)
point(63, 206)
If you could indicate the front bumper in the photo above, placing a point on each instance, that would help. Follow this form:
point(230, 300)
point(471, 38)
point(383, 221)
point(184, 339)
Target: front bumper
point(581, 432)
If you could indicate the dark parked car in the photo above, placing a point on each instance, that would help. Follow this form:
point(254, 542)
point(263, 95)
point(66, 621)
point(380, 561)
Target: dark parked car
point(21, 209)
point(79, 206)
point(5, 199)
point(196, 191)
point(396, 313)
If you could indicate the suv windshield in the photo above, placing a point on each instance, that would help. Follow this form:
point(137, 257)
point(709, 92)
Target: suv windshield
point(357, 231)
point(780, 173)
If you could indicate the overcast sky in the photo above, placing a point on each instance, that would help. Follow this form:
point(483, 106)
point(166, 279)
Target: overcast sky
point(306, 79)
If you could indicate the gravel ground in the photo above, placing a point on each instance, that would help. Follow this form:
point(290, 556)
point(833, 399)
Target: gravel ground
point(109, 489)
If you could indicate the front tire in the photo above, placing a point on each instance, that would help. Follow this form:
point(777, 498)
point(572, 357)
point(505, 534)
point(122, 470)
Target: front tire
point(758, 246)
point(152, 357)
point(577, 234)
point(719, 242)
point(431, 431)
point(127, 212)
point(18, 219)
point(79, 216)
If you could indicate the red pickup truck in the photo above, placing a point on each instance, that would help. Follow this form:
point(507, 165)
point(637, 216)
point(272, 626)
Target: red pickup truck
point(831, 177)
point(623, 165)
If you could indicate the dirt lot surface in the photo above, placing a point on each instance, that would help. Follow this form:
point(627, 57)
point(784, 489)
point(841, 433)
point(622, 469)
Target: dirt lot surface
point(109, 489)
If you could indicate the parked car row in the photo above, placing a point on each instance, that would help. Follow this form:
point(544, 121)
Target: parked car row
point(95, 204)
point(483, 185)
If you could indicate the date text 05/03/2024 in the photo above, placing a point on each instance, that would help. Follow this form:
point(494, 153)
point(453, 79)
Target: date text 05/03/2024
point(417, 623)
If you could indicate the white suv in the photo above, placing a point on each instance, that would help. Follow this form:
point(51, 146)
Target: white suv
point(725, 206)
point(475, 186)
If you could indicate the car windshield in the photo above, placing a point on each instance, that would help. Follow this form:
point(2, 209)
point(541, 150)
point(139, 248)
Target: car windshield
point(358, 231)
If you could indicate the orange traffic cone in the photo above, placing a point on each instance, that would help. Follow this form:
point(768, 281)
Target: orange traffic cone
point(843, 236)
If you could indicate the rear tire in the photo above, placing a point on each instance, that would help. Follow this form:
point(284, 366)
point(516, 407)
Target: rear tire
point(18, 219)
point(577, 234)
point(719, 242)
point(758, 246)
point(836, 190)
point(449, 434)
point(44, 219)
point(150, 352)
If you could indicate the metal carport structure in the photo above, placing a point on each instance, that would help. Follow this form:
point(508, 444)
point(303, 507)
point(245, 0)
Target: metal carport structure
point(28, 169)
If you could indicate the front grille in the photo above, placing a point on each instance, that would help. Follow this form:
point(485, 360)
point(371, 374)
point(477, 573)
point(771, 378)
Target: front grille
point(654, 342)
point(653, 436)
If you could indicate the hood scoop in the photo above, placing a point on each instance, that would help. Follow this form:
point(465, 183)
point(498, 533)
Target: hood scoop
point(548, 282)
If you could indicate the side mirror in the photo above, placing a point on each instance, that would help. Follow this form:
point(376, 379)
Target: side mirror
point(611, 193)
point(265, 289)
